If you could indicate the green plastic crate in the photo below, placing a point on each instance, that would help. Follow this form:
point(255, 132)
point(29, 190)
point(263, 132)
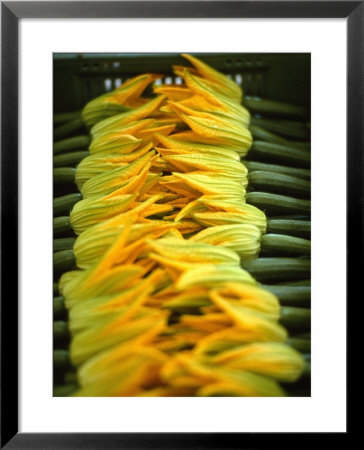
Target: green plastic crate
point(279, 76)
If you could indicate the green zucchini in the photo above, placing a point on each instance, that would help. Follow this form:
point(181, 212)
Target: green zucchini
point(274, 204)
point(304, 335)
point(63, 244)
point(261, 134)
point(73, 143)
point(281, 245)
point(69, 159)
point(304, 392)
point(299, 344)
point(70, 377)
point(60, 330)
point(64, 175)
point(61, 225)
point(279, 154)
point(67, 129)
point(276, 168)
point(292, 217)
point(289, 128)
point(274, 108)
point(64, 260)
point(278, 183)
point(294, 318)
point(291, 295)
point(307, 369)
point(295, 283)
point(63, 205)
point(65, 117)
point(64, 390)
point(59, 309)
point(302, 145)
point(298, 228)
point(270, 270)
point(61, 359)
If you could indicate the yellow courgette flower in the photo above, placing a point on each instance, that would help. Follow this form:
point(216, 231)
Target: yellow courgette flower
point(235, 336)
point(92, 210)
point(230, 213)
point(187, 301)
point(247, 317)
point(95, 241)
point(98, 338)
point(273, 359)
point(212, 131)
point(209, 323)
point(119, 100)
point(193, 252)
point(199, 162)
point(217, 113)
point(188, 138)
point(201, 88)
point(234, 297)
point(101, 309)
point(111, 180)
point(185, 143)
point(128, 117)
point(210, 379)
point(244, 239)
point(96, 164)
point(175, 93)
point(168, 391)
point(227, 86)
point(171, 183)
point(242, 384)
point(121, 140)
point(221, 106)
point(78, 289)
point(213, 275)
point(173, 268)
point(124, 370)
point(150, 134)
point(211, 183)
point(209, 90)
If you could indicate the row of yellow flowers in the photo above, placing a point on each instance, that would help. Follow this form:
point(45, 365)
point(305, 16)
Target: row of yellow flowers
point(160, 305)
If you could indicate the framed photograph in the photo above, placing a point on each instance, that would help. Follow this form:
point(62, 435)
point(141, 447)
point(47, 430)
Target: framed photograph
point(181, 185)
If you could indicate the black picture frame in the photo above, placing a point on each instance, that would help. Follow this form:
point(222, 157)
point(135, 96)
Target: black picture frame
point(11, 12)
